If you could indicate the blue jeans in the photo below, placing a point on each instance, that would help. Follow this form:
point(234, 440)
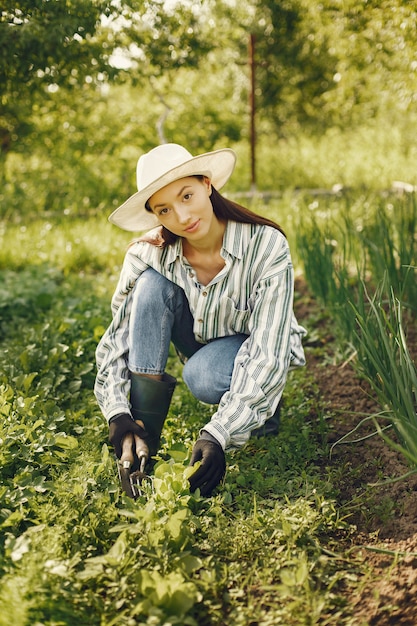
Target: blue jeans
point(160, 314)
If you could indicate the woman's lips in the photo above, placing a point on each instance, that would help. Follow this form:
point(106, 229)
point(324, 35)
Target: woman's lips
point(193, 227)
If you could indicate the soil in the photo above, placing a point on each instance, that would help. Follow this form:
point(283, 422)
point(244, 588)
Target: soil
point(384, 517)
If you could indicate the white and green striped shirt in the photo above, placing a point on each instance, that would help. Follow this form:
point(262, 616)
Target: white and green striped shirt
point(252, 294)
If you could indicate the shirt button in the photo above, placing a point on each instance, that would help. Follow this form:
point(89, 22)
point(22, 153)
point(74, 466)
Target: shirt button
point(200, 321)
point(204, 293)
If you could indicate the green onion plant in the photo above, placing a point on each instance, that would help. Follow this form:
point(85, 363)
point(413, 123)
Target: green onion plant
point(385, 362)
point(363, 271)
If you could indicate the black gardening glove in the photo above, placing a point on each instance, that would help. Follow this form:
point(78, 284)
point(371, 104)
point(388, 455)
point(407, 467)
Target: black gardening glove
point(213, 466)
point(119, 426)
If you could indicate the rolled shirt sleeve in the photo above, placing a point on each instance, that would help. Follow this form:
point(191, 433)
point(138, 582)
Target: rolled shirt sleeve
point(112, 384)
point(273, 346)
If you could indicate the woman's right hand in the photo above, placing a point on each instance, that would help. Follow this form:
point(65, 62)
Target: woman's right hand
point(119, 426)
point(212, 468)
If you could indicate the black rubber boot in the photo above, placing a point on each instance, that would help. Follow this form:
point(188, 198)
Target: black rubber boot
point(150, 400)
point(271, 426)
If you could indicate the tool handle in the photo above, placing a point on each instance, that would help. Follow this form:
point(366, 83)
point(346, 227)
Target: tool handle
point(127, 449)
point(130, 443)
point(142, 449)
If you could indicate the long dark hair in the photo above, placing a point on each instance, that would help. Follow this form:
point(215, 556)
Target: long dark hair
point(224, 209)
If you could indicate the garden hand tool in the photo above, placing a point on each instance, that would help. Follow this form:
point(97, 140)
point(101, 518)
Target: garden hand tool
point(150, 400)
point(119, 426)
point(131, 465)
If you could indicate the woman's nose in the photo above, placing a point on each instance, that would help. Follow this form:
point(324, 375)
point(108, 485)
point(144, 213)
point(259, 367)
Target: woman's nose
point(183, 214)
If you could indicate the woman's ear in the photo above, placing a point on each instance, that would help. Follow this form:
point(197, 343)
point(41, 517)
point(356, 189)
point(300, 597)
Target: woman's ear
point(207, 183)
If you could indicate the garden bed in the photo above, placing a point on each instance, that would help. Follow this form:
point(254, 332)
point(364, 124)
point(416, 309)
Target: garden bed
point(385, 516)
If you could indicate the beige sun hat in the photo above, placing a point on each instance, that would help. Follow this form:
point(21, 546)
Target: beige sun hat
point(162, 166)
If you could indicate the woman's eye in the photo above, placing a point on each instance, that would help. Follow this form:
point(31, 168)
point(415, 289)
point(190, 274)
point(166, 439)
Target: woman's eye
point(163, 211)
point(187, 196)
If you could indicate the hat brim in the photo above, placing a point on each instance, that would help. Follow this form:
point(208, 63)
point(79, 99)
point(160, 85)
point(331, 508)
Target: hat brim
point(217, 166)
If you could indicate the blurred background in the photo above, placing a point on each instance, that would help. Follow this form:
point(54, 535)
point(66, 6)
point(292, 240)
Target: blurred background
point(310, 94)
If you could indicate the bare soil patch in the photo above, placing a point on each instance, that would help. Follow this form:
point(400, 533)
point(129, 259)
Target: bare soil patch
point(385, 516)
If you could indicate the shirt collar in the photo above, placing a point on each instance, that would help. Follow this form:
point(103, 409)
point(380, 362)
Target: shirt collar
point(174, 251)
point(236, 238)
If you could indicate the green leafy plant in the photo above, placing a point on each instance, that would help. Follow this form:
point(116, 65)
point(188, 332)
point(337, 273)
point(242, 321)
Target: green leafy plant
point(385, 361)
point(75, 550)
point(367, 287)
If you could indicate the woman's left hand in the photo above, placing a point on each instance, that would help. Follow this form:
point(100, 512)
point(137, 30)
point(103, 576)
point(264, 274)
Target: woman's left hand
point(212, 468)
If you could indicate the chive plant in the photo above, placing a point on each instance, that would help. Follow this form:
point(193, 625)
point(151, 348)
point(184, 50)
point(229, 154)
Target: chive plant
point(389, 243)
point(366, 278)
point(385, 361)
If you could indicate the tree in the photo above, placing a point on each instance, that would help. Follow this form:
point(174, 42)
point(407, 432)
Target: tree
point(56, 57)
point(45, 45)
point(333, 62)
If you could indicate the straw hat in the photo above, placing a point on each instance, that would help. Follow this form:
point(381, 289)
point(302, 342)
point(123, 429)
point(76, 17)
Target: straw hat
point(162, 166)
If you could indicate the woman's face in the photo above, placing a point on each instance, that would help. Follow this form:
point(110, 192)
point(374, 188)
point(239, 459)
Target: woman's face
point(184, 207)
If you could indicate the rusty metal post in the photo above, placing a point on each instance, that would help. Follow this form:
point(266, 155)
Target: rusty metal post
point(252, 105)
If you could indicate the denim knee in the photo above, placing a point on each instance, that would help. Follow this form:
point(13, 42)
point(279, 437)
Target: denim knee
point(208, 373)
point(204, 383)
point(152, 289)
point(150, 324)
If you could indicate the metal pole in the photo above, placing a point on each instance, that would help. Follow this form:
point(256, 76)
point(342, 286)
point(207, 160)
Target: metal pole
point(252, 112)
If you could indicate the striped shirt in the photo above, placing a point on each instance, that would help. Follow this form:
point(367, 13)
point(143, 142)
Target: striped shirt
point(252, 294)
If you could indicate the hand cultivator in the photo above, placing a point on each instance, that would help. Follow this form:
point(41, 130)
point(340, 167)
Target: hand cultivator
point(131, 465)
point(150, 400)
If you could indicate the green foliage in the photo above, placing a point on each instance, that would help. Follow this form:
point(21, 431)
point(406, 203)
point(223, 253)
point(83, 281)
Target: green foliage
point(322, 65)
point(56, 250)
point(169, 37)
point(391, 245)
point(44, 39)
point(320, 68)
point(363, 269)
point(96, 172)
point(352, 244)
point(44, 45)
point(301, 71)
point(47, 47)
point(74, 549)
point(385, 361)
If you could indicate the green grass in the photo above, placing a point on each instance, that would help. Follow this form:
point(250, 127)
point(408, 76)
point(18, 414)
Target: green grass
point(68, 179)
point(271, 547)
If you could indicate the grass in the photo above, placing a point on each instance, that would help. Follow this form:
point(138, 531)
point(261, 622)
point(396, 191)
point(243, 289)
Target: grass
point(95, 174)
point(73, 548)
point(274, 545)
point(368, 157)
point(271, 547)
point(385, 361)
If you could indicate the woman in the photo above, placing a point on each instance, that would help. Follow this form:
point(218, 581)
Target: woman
point(216, 280)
